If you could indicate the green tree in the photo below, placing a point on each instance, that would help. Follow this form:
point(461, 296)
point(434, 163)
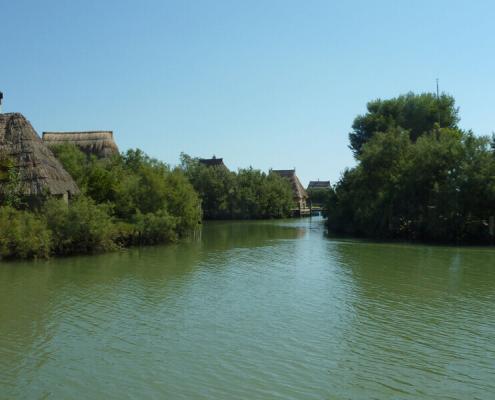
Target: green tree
point(247, 194)
point(417, 114)
point(276, 201)
point(215, 186)
point(147, 200)
point(80, 227)
point(438, 187)
point(318, 196)
point(23, 234)
point(10, 183)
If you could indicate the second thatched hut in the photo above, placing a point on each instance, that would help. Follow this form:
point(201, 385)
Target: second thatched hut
point(299, 194)
point(98, 143)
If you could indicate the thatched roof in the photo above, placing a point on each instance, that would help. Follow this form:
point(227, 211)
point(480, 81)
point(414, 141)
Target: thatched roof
point(212, 162)
point(297, 188)
point(40, 171)
point(98, 143)
point(319, 185)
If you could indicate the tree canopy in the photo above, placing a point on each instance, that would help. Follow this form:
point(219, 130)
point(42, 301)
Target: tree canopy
point(128, 199)
point(246, 194)
point(437, 184)
point(414, 113)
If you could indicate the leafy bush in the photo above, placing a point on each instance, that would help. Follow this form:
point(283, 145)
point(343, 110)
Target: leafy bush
point(80, 227)
point(143, 199)
point(23, 234)
point(247, 194)
point(153, 228)
point(319, 196)
point(182, 202)
point(10, 182)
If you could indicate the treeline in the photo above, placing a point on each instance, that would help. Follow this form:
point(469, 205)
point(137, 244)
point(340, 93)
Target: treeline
point(418, 175)
point(245, 194)
point(126, 200)
point(130, 199)
point(319, 196)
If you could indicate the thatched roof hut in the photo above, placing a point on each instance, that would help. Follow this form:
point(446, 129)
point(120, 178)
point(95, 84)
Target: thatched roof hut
point(319, 185)
point(98, 143)
point(40, 172)
point(299, 193)
point(212, 162)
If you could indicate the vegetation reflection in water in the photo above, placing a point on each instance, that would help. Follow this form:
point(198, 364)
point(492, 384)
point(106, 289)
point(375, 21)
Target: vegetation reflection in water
point(251, 310)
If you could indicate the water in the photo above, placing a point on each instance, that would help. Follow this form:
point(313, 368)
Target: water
point(253, 310)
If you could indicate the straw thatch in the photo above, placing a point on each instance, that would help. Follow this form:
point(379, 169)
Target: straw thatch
point(299, 193)
point(319, 185)
point(40, 172)
point(98, 143)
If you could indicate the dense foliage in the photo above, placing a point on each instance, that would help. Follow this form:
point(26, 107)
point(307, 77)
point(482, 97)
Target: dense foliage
point(10, 183)
point(318, 196)
point(152, 202)
point(25, 234)
point(81, 227)
point(131, 199)
point(246, 194)
point(128, 199)
point(417, 114)
point(417, 180)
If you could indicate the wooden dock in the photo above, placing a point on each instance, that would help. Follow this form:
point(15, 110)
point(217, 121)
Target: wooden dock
point(308, 211)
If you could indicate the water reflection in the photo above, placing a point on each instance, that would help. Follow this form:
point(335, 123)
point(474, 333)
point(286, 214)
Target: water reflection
point(251, 310)
point(247, 234)
point(429, 314)
point(417, 272)
point(42, 302)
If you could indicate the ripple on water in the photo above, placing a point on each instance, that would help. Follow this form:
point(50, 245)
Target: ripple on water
point(255, 310)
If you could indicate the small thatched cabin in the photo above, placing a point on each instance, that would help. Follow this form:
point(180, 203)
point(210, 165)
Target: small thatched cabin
point(299, 193)
point(98, 143)
point(39, 171)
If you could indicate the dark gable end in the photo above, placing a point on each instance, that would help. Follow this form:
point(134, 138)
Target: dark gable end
point(212, 162)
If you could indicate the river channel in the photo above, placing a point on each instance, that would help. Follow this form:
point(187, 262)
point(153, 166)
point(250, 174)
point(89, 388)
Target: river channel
point(252, 310)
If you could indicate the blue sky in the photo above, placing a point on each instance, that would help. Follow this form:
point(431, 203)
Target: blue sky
point(272, 84)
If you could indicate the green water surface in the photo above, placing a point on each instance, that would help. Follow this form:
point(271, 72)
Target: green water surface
point(252, 310)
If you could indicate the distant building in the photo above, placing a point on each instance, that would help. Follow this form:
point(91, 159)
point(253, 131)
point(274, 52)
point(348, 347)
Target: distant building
point(212, 162)
point(298, 192)
point(318, 192)
point(98, 143)
point(316, 185)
